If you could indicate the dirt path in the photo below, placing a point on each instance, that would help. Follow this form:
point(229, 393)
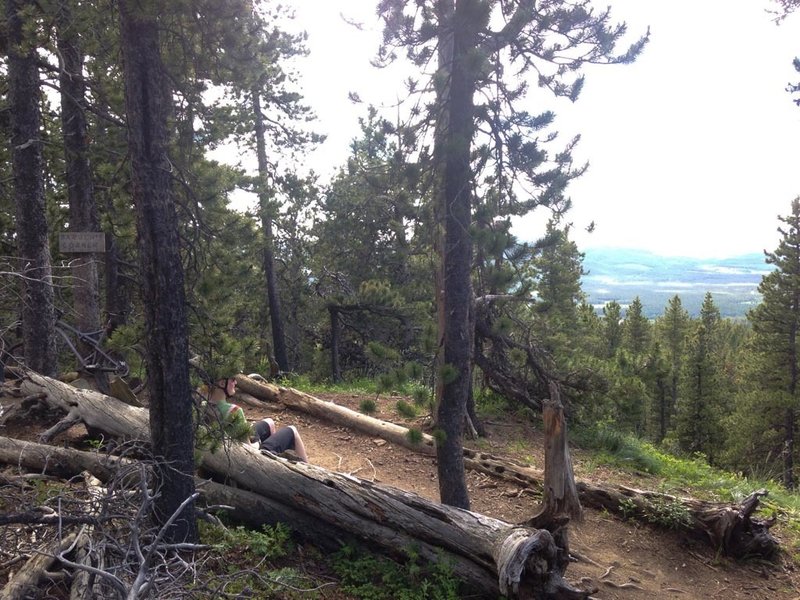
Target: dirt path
point(624, 560)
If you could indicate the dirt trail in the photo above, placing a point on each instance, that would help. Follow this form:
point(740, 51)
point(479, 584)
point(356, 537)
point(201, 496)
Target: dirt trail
point(624, 560)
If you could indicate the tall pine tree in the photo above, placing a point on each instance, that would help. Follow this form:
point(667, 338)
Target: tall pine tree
point(776, 322)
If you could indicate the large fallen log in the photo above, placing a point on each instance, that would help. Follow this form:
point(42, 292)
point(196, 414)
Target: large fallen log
point(489, 555)
point(733, 530)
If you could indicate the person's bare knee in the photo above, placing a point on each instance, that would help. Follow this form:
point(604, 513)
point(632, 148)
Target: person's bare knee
point(299, 446)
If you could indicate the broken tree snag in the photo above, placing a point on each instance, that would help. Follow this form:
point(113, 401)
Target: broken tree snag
point(731, 530)
point(560, 497)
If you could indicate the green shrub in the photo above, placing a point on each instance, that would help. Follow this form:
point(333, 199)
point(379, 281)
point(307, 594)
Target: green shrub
point(266, 543)
point(369, 577)
point(414, 436)
point(367, 406)
point(405, 409)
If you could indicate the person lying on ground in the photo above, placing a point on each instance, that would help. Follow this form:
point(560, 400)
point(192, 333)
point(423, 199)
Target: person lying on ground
point(263, 434)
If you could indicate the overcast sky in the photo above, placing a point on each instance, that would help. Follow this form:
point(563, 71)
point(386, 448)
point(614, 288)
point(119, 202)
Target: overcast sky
point(693, 150)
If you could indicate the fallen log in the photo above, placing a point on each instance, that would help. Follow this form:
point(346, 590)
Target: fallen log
point(27, 578)
point(730, 529)
point(488, 555)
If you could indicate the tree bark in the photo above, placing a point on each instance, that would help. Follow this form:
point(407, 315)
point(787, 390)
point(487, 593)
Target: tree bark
point(267, 224)
point(458, 38)
point(147, 99)
point(24, 95)
point(560, 497)
point(336, 369)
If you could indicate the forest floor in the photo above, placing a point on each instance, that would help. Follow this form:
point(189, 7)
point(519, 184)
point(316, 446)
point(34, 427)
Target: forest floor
point(623, 559)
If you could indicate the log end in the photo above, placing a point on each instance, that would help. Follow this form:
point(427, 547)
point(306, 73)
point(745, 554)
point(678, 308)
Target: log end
point(526, 567)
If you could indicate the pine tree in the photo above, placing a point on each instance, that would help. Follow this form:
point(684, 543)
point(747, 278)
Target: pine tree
point(612, 327)
point(776, 322)
point(636, 328)
point(672, 330)
point(33, 251)
point(474, 43)
point(699, 413)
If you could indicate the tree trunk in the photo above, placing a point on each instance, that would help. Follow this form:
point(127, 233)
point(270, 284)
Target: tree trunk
point(24, 95)
point(117, 303)
point(458, 38)
point(560, 497)
point(788, 449)
point(267, 223)
point(490, 555)
point(147, 100)
point(80, 192)
point(336, 369)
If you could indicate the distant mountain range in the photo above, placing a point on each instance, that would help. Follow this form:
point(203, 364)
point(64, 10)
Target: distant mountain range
point(622, 274)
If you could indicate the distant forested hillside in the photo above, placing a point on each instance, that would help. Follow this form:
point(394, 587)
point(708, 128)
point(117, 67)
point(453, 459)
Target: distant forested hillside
point(622, 274)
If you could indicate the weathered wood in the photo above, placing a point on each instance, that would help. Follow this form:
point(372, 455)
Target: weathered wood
point(733, 530)
point(489, 555)
point(560, 495)
point(27, 578)
point(334, 413)
point(261, 391)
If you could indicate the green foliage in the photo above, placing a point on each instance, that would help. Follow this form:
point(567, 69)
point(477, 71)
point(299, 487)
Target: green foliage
point(421, 396)
point(448, 374)
point(439, 435)
point(667, 513)
point(406, 410)
point(270, 542)
point(367, 406)
point(628, 508)
point(364, 385)
point(490, 403)
point(368, 577)
point(622, 449)
point(379, 353)
point(414, 436)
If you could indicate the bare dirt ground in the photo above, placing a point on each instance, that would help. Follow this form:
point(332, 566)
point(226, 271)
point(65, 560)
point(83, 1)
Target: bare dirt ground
point(624, 560)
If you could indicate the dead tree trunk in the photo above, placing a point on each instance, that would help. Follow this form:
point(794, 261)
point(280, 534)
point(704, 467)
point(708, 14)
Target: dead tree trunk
point(560, 496)
point(487, 554)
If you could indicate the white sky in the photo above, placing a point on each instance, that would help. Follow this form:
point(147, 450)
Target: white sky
point(693, 149)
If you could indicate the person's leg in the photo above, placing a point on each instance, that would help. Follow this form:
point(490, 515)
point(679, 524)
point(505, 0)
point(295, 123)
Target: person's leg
point(286, 438)
point(299, 446)
point(262, 430)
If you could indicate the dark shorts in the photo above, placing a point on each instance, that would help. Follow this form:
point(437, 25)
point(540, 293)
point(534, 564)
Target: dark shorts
point(281, 441)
